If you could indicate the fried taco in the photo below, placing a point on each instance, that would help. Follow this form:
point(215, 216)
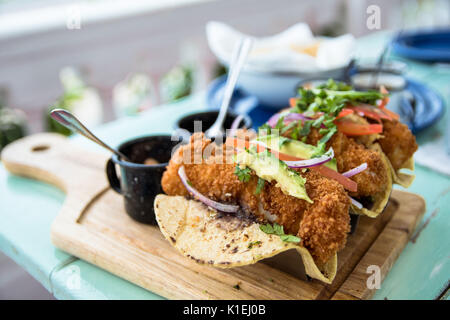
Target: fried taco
point(291, 185)
point(278, 205)
point(363, 133)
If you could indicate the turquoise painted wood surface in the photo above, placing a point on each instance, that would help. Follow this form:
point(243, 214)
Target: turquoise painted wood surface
point(27, 208)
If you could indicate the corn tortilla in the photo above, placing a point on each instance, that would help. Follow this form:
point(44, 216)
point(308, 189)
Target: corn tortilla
point(227, 241)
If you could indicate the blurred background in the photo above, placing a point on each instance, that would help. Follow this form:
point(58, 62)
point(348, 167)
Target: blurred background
point(132, 55)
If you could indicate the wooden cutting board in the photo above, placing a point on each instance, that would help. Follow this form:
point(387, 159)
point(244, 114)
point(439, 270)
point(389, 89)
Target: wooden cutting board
point(93, 226)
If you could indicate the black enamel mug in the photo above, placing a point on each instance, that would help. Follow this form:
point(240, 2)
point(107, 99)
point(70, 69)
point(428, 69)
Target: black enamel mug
point(207, 119)
point(140, 180)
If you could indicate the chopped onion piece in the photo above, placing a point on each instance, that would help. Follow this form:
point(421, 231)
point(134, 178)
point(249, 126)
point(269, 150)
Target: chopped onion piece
point(356, 203)
point(210, 203)
point(312, 162)
point(358, 169)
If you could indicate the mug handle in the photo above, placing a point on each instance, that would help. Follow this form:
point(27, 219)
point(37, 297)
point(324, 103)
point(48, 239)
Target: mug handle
point(114, 181)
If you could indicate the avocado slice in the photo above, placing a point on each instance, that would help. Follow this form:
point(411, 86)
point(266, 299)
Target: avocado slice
point(268, 167)
point(294, 148)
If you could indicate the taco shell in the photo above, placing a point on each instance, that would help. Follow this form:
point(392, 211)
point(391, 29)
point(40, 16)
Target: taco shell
point(226, 241)
point(380, 200)
point(402, 178)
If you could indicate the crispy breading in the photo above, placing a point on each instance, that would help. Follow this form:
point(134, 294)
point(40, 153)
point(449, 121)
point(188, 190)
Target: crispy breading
point(322, 225)
point(398, 143)
point(350, 154)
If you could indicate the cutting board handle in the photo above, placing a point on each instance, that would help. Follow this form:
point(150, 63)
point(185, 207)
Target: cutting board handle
point(52, 158)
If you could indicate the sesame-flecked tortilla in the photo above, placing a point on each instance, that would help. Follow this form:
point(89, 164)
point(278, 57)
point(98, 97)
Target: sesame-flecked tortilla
point(381, 199)
point(226, 241)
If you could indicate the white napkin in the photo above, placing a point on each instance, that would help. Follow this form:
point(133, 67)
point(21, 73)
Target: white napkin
point(295, 49)
point(433, 155)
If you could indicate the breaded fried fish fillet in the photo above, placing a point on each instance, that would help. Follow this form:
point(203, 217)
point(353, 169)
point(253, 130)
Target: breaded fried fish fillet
point(322, 225)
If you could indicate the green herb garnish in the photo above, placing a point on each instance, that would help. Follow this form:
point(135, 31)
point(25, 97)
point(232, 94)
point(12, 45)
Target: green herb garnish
point(280, 123)
point(329, 98)
point(306, 129)
point(260, 185)
point(265, 128)
point(243, 174)
point(279, 231)
point(290, 238)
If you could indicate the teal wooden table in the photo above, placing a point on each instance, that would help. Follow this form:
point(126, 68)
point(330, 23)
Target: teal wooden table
point(28, 207)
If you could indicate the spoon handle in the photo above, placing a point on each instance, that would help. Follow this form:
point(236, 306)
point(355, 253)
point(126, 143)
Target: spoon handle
point(68, 120)
point(239, 55)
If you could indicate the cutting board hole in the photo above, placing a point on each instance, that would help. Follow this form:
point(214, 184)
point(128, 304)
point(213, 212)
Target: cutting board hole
point(40, 148)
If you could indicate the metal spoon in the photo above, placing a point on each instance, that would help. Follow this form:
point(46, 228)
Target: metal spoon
point(68, 120)
point(240, 53)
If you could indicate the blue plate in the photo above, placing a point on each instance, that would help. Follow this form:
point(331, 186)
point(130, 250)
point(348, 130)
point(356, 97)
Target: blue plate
point(428, 46)
point(427, 109)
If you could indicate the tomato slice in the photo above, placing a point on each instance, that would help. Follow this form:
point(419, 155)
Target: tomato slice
point(392, 114)
point(371, 113)
point(350, 128)
point(347, 183)
point(344, 112)
point(384, 102)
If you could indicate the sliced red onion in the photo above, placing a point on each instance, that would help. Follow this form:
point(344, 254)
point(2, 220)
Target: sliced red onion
point(273, 120)
point(297, 116)
point(358, 169)
point(356, 203)
point(312, 162)
point(210, 203)
point(289, 117)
